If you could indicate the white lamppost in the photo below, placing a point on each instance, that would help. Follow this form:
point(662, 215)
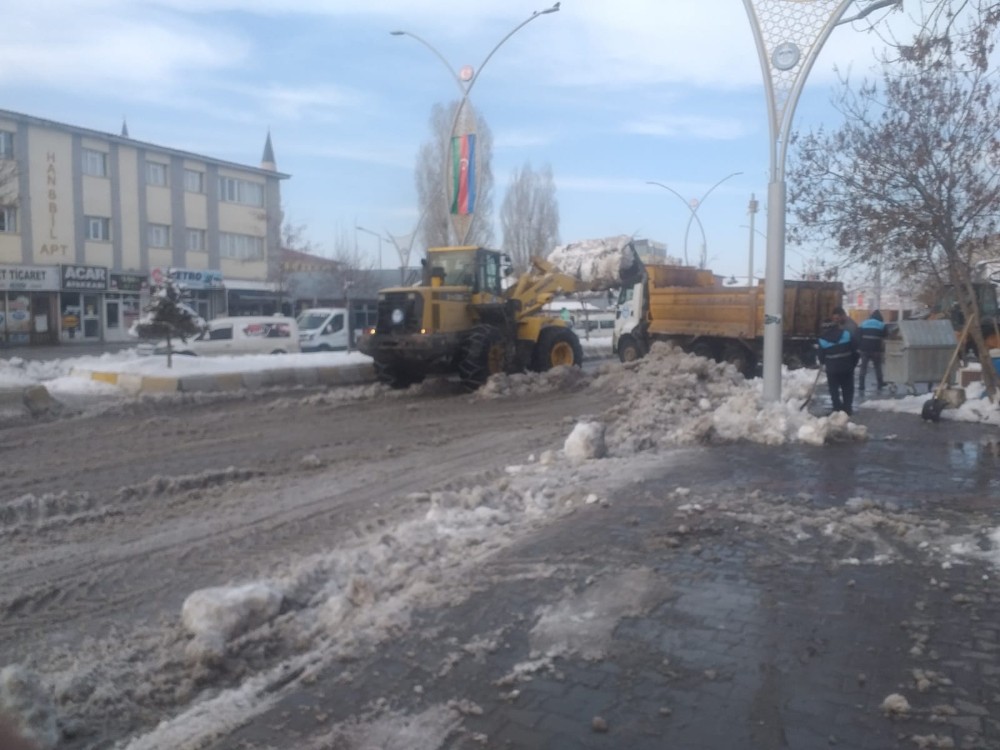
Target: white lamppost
point(789, 35)
point(377, 235)
point(693, 205)
point(465, 78)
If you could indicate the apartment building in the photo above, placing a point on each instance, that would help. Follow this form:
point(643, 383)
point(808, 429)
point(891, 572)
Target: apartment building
point(90, 220)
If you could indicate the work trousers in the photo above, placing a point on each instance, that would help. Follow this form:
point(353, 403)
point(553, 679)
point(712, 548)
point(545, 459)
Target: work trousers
point(841, 390)
point(876, 360)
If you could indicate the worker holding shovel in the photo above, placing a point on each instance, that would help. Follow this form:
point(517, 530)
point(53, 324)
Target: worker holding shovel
point(838, 353)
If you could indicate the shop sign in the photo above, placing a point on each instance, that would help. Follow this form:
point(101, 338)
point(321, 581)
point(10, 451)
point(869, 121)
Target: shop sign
point(87, 278)
point(128, 282)
point(187, 278)
point(29, 278)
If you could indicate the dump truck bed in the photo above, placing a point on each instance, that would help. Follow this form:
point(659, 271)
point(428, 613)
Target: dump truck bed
point(737, 312)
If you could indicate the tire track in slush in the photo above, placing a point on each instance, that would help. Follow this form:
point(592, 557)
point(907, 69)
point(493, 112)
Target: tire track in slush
point(96, 583)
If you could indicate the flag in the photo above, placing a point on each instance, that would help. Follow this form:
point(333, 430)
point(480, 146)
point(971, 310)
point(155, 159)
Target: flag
point(463, 169)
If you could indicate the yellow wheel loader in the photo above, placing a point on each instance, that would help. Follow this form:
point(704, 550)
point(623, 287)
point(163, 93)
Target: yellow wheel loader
point(466, 319)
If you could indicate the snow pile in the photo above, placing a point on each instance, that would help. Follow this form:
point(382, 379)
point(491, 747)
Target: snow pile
point(977, 406)
point(598, 263)
point(23, 697)
point(586, 441)
point(427, 730)
point(561, 378)
point(670, 398)
point(215, 615)
point(49, 509)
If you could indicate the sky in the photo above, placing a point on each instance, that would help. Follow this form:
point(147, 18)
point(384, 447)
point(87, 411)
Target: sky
point(610, 95)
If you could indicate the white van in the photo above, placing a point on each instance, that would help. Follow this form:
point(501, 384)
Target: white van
point(250, 334)
point(323, 329)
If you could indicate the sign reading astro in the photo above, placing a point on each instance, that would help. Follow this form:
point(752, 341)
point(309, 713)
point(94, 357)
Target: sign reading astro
point(194, 279)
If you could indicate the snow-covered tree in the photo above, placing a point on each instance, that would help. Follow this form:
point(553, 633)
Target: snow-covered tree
point(168, 316)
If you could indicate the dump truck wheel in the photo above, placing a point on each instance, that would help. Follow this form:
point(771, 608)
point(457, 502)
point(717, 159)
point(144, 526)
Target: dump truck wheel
point(704, 349)
point(394, 376)
point(740, 358)
point(555, 347)
point(485, 355)
point(629, 349)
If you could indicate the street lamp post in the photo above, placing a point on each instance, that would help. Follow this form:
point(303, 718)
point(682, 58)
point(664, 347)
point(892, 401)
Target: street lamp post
point(693, 205)
point(789, 35)
point(465, 79)
point(374, 234)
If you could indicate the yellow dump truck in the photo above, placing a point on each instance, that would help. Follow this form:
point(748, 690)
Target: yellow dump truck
point(687, 307)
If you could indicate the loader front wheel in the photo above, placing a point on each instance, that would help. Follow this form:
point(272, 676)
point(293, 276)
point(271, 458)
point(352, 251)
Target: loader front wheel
point(395, 376)
point(485, 355)
point(555, 347)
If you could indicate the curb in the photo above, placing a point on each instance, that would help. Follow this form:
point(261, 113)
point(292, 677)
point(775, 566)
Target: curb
point(357, 374)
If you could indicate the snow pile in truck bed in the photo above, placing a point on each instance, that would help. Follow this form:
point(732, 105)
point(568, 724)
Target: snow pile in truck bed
point(595, 262)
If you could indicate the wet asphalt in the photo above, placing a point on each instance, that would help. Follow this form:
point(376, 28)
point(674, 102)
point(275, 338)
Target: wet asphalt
point(748, 638)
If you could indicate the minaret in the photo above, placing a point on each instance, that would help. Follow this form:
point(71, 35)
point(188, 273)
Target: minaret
point(124, 128)
point(267, 160)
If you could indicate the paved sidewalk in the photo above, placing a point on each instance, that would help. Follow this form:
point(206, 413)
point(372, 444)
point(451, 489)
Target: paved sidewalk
point(771, 604)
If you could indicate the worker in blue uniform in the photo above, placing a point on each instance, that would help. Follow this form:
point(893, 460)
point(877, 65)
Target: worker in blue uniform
point(838, 353)
point(872, 333)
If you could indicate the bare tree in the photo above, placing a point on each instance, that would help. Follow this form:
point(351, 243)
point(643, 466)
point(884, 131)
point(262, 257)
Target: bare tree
point(529, 215)
point(910, 181)
point(432, 171)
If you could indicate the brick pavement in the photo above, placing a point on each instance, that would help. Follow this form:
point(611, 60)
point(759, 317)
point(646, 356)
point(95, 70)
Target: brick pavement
point(752, 633)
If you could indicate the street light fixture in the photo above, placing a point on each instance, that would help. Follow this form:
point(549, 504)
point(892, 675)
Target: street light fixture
point(374, 234)
point(465, 79)
point(693, 205)
point(789, 35)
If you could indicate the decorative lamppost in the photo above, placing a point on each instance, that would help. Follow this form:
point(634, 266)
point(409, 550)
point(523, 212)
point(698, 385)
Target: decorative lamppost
point(693, 205)
point(461, 157)
point(789, 35)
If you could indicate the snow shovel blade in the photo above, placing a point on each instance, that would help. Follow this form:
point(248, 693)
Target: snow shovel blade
point(932, 409)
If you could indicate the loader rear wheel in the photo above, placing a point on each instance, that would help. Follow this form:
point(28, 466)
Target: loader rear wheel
point(395, 376)
point(485, 355)
point(555, 347)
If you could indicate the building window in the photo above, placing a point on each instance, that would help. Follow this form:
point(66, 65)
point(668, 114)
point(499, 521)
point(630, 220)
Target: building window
point(194, 181)
point(98, 228)
point(8, 219)
point(241, 246)
point(158, 235)
point(6, 144)
point(232, 190)
point(156, 173)
point(196, 240)
point(95, 163)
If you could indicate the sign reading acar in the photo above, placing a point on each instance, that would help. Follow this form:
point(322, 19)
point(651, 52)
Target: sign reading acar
point(84, 277)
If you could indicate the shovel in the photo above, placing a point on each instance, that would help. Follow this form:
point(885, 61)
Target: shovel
point(812, 391)
point(933, 407)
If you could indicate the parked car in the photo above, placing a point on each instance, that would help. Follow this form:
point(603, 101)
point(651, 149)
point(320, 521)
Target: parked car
point(323, 329)
point(254, 334)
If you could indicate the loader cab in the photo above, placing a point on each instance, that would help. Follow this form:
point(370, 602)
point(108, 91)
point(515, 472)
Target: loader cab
point(478, 269)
